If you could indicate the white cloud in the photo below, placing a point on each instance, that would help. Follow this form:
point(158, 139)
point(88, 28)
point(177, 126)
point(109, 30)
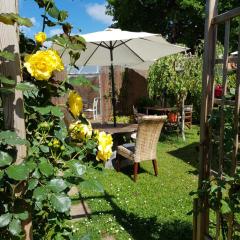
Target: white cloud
point(97, 12)
point(33, 20)
point(55, 31)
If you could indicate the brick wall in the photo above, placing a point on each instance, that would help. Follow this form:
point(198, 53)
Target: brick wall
point(130, 85)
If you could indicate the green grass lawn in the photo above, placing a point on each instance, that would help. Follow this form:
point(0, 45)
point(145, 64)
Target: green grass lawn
point(151, 208)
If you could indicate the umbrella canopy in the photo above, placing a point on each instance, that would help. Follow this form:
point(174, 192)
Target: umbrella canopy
point(129, 48)
point(116, 47)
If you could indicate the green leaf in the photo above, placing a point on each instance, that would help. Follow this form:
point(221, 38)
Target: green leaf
point(1, 174)
point(7, 55)
point(38, 205)
point(11, 138)
point(5, 219)
point(56, 111)
point(82, 81)
point(62, 16)
point(44, 148)
point(12, 18)
point(61, 135)
point(45, 167)
point(232, 91)
point(5, 80)
point(5, 159)
point(32, 184)
point(76, 169)
point(24, 22)
point(59, 40)
point(43, 110)
point(57, 185)
point(75, 47)
point(4, 90)
point(50, 23)
point(61, 203)
point(15, 227)
point(33, 151)
point(22, 216)
point(79, 169)
point(7, 18)
point(225, 207)
point(53, 11)
point(31, 165)
point(214, 188)
point(36, 174)
point(40, 193)
point(92, 185)
point(18, 172)
point(25, 86)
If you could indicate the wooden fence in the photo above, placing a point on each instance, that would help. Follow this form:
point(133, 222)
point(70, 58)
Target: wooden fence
point(201, 221)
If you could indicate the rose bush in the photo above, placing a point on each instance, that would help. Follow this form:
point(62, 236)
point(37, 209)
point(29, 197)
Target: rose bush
point(57, 153)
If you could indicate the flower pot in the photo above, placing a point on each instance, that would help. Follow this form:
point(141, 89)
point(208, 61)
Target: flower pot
point(172, 117)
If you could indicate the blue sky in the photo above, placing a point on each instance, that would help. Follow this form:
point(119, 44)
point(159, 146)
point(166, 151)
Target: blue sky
point(89, 16)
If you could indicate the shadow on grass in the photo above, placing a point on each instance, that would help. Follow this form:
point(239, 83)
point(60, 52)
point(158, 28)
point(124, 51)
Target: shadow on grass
point(147, 228)
point(188, 154)
point(126, 167)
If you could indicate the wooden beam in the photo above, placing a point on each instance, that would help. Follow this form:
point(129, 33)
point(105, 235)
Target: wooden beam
point(12, 103)
point(222, 121)
point(13, 109)
point(206, 106)
point(236, 116)
point(221, 18)
point(224, 84)
point(219, 101)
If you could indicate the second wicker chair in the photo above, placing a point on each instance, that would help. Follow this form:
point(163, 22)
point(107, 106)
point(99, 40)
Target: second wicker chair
point(148, 133)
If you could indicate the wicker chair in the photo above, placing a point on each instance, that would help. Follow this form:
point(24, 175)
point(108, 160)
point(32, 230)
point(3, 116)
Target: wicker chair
point(188, 109)
point(148, 133)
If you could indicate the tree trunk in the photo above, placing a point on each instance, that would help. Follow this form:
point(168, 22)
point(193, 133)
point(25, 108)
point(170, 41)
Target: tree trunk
point(13, 109)
point(12, 103)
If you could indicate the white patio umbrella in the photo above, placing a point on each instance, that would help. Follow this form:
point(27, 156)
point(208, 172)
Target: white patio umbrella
point(116, 47)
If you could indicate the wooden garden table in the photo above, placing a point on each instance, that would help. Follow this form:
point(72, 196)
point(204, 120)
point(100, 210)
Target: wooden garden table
point(161, 110)
point(119, 129)
point(121, 133)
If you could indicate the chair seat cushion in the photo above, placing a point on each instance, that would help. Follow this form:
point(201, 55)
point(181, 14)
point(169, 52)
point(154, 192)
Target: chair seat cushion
point(126, 150)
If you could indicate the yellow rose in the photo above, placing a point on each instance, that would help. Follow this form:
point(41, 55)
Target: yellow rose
point(105, 143)
point(56, 61)
point(41, 64)
point(80, 131)
point(75, 103)
point(40, 37)
point(104, 153)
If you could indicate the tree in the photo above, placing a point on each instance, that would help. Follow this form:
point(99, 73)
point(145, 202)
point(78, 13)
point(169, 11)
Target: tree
point(180, 21)
point(177, 75)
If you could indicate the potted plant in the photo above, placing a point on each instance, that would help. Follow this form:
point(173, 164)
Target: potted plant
point(172, 117)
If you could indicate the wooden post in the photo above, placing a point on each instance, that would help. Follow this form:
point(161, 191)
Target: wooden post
point(206, 106)
point(13, 109)
point(183, 118)
point(12, 103)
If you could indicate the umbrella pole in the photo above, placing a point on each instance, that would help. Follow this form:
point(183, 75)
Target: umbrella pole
point(113, 86)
